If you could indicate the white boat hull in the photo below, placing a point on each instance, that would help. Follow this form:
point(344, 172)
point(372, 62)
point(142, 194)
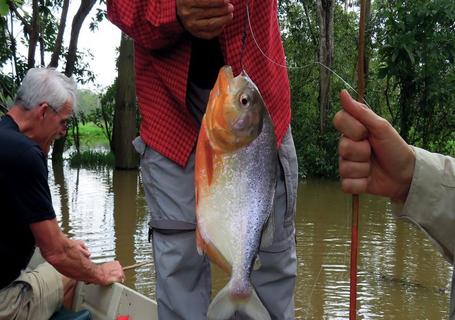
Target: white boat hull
point(110, 302)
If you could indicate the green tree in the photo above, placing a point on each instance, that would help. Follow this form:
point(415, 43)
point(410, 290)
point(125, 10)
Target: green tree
point(299, 20)
point(103, 117)
point(416, 42)
point(41, 28)
point(87, 100)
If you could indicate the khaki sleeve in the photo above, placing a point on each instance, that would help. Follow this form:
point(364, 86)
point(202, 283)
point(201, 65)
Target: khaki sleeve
point(431, 200)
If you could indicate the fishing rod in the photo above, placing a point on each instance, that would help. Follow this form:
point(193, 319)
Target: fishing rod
point(355, 197)
point(137, 265)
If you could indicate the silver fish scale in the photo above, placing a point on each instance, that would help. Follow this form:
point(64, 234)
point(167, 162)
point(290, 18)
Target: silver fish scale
point(243, 202)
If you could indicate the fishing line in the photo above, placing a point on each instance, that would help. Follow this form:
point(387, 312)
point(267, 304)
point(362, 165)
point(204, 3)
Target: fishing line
point(244, 37)
point(312, 289)
point(288, 67)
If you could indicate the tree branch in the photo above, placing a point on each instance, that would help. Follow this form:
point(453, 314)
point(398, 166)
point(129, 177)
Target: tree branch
point(13, 8)
point(58, 42)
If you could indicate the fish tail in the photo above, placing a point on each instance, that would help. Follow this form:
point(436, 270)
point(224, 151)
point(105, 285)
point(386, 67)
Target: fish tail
point(223, 306)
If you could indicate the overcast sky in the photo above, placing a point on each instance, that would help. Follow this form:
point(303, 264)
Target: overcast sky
point(102, 44)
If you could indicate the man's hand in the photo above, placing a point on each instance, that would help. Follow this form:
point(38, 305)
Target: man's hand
point(204, 19)
point(111, 272)
point(373, 156)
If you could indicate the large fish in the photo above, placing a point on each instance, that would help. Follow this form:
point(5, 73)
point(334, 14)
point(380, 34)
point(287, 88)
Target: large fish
point(235, 187)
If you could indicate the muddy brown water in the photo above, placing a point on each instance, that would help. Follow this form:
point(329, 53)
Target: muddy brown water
point(400, 274)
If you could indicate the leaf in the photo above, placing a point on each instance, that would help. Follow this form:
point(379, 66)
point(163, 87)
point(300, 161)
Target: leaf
point(4, 9)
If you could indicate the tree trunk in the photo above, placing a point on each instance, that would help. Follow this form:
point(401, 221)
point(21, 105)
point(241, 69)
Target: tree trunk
point(124, 129)
point(407, 93)
point(325, 11)
point(32, 30)
point(33, 35)
point(82, 12)
point(368, 34)
point(59, 40)
point(367, 44)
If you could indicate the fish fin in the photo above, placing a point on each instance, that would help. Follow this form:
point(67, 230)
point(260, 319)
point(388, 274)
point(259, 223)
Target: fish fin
point(204, 154)
point(223, 307)
point(217, 258)
point(255, 309)
point(257, 263)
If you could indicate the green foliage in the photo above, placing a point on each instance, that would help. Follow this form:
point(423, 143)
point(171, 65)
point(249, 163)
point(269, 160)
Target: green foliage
point(87, 101)
point(92, 159)
point(9, 81)
point(14, 26)
point(101, 14)
point(91, 136)
point(416, 47)
point(411, 73)
point(103, 116)
point(410, 64)
point(317, 152)
point(4, 9)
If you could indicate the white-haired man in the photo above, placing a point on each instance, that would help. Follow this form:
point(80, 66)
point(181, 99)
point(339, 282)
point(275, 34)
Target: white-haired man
point(40, 114)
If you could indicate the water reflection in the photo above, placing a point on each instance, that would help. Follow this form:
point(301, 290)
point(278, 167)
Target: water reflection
point(400, 275)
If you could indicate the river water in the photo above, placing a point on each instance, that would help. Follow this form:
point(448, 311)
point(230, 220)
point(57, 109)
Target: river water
point(400, 274)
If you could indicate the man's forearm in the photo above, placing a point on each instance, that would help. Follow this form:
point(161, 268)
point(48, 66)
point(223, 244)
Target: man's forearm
point(71, 262)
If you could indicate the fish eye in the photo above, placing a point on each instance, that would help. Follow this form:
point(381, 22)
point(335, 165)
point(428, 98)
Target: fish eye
point(244, 99)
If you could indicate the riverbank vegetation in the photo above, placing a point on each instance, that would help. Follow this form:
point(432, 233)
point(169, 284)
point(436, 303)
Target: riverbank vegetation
point(95, 151)
point(410, 76)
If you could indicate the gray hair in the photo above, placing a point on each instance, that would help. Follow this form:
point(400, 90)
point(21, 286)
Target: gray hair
point(46, 85)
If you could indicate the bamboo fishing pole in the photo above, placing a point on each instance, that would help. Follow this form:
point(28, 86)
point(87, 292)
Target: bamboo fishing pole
point(355, 197)
point(137, 265)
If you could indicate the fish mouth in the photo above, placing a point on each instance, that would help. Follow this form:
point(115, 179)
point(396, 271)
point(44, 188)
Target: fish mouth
point(225, 76)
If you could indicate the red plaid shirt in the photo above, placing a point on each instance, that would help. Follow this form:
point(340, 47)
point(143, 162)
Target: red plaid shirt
point(162, 56)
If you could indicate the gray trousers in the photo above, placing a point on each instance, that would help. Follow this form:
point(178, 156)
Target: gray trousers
point(183, 283)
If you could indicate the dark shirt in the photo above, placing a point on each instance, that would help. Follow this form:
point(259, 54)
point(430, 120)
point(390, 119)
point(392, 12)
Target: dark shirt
point(205, 63)
point(25, 198)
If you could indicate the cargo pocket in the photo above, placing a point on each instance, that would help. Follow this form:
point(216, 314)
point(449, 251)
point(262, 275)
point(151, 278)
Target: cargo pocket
point(288, 160)
point(168, 189)
point(283, 215)
point(448, 173)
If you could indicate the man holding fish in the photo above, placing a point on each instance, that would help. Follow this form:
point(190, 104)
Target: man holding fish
point(246, 164)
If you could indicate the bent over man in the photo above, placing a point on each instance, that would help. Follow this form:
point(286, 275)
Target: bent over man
point(40, 114)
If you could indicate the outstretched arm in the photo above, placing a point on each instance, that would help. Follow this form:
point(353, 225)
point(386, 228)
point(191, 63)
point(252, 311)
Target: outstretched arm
point(71, 257)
